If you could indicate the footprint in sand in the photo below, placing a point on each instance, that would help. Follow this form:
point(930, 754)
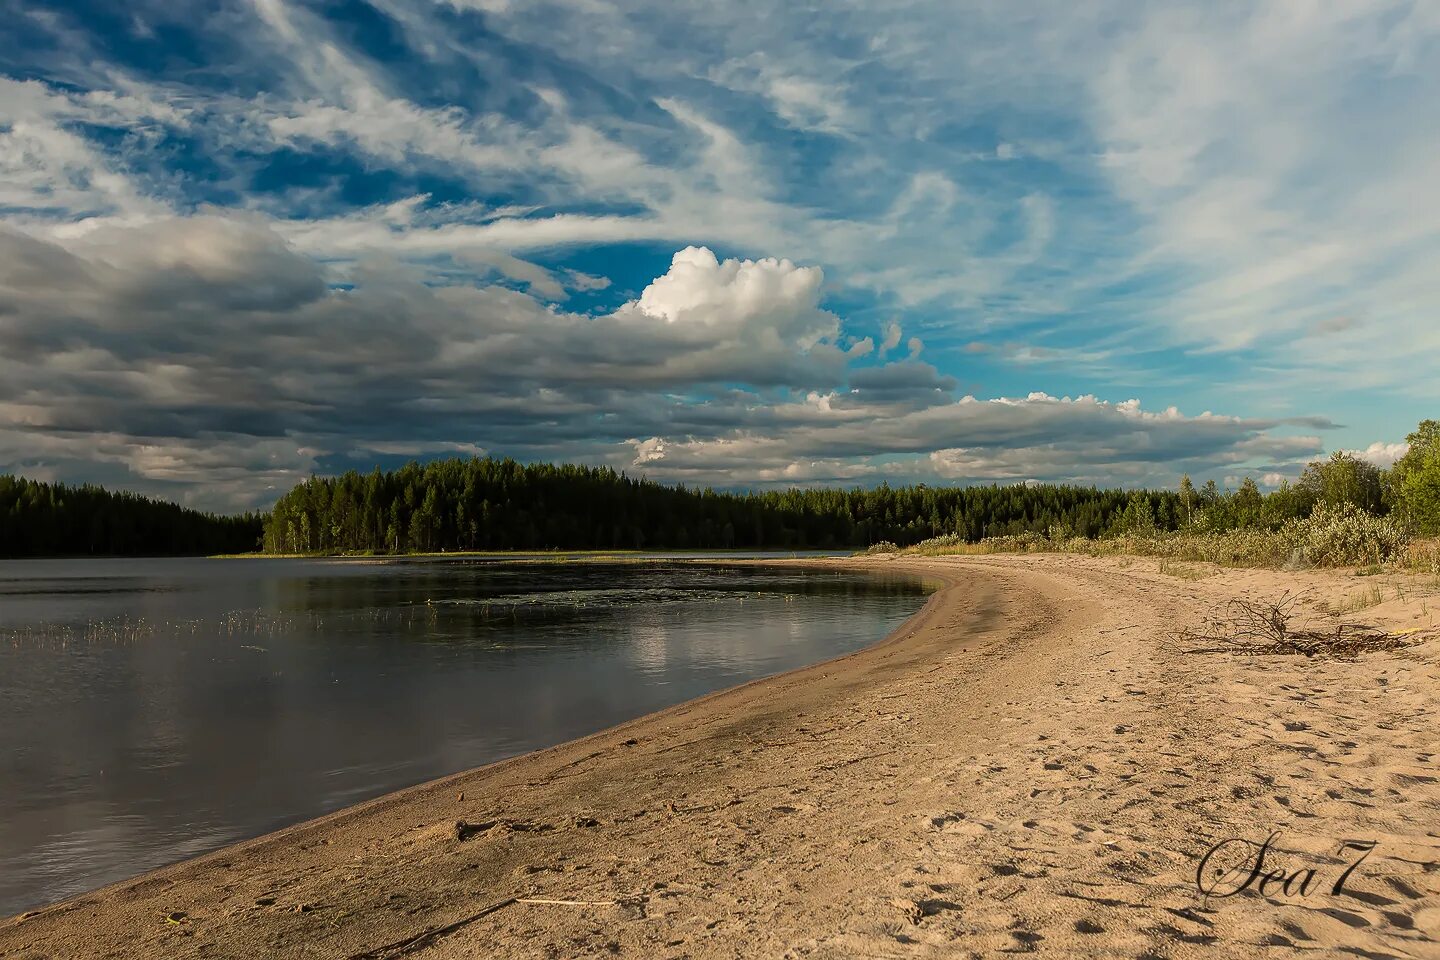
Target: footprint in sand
point(959, 823)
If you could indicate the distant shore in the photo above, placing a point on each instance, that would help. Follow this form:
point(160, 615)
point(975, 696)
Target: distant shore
point(1027, 763)
point(543, 556)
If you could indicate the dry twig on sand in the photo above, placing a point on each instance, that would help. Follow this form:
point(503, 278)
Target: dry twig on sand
point(425, 938)
point(635, 898)
point(1247, 626)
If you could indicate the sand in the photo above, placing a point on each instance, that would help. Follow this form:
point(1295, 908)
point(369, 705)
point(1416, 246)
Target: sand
point(1028, 765)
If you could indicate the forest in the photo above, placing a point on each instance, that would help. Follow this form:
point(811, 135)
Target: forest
point(459, 505)
point(52, 519)
point(492, 504)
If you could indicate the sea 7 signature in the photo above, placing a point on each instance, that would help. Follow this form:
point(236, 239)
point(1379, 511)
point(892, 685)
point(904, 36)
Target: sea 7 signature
point(1266, 878)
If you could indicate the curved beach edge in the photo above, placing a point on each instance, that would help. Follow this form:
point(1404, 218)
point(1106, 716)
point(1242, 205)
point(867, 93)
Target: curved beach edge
point(294, 833)
point(1029, 763)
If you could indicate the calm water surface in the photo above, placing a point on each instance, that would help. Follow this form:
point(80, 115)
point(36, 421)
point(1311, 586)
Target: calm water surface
point(151, 710)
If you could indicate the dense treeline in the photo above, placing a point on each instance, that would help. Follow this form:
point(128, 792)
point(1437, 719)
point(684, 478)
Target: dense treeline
point(51, 519)
point(459, 505)
point(1409, 491)
point(1343, 511)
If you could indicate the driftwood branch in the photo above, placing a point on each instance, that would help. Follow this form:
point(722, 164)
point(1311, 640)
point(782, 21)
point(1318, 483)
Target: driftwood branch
point(1263, 627)
point(623, 901)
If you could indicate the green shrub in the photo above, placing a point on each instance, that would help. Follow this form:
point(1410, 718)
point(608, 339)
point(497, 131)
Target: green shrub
point(942, 542)
point(1347, 536)
point(1018, 543)
point(1329, 537)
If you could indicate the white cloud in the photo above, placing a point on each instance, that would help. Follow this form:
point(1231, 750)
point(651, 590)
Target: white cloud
point(181, 356)
point(648, 451)
point(1274, 156)
point(542, 283)
point(1217, 130)
point(403, 448)
point(1382, 454)
point(48, 170)
point(892, 337)
point(766, 297)
point(1080, 439)
point(1245, 178)
point(804, 103)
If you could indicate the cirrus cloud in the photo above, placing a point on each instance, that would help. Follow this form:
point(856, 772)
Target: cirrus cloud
point(559, 229)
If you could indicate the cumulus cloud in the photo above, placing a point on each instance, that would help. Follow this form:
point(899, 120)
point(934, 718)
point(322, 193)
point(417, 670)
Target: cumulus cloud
point(152, 345)
point(757, 298)
point(185, 356)
point(648, 451)
point(338, 248)
point(1382, 454)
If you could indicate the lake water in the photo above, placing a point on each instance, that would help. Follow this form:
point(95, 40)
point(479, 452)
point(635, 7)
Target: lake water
point(152, 710)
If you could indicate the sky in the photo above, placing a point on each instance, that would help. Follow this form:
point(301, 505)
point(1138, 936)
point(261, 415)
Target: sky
point(742, 245)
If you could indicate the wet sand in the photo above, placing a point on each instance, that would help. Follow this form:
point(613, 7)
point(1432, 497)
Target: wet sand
point(1028, 765)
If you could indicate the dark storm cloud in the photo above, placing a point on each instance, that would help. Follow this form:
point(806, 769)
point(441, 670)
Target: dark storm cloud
point(902, 379)
point(206, 355)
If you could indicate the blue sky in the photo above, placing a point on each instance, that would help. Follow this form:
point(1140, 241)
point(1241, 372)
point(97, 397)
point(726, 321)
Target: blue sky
point(735, 244)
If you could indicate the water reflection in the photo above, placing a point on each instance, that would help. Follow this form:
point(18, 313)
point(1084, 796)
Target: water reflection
point(152, 710)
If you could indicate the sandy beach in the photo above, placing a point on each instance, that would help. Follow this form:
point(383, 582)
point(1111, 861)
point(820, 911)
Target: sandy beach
point(1028, 765)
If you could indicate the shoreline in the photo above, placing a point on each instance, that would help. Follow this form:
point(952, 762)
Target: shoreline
point(556, 556)
point(361, 808)
point(822, 811)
